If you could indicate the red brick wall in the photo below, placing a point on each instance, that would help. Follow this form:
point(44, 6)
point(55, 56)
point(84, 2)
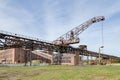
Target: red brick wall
point(7, 56)
point(17, 55)
point(70, 59)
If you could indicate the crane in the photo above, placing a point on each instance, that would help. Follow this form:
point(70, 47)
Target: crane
point(71, 37)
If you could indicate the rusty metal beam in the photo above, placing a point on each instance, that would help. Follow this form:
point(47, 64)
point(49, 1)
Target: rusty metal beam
point(16, 41)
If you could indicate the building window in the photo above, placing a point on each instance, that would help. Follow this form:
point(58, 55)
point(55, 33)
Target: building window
point(66, 59)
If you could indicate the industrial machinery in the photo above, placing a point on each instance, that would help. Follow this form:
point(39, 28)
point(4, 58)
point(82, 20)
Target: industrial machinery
point(71, 37)
point(61, 45)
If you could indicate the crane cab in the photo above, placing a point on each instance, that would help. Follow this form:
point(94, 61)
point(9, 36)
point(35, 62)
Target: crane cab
point(74, 40)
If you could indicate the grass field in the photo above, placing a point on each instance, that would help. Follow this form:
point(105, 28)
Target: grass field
point(55, 72)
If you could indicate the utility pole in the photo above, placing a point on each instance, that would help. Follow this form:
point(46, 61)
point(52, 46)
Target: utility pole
point(99, 53)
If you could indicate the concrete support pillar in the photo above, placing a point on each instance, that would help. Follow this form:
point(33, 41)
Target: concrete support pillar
point(30, 58)
point(52, 60)
point(77, 59)
point(110, 61)
point(87, 60)
point(96, 60)
point(51, 57)
point(82, 61)
point(25, 57)
point(91, 58)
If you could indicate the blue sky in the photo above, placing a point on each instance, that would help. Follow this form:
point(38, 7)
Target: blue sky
point(49, 19)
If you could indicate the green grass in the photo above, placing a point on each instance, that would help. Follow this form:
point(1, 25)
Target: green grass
point(55, 72)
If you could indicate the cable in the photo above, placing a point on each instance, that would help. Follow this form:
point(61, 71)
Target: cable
point(102, 35)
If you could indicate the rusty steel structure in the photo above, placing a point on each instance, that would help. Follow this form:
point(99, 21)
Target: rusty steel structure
point(71, 37)
point(13, 40)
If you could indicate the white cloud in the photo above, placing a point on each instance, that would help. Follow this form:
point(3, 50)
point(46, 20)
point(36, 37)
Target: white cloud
point(15, 19)
point(59, 16)
point(79, 14)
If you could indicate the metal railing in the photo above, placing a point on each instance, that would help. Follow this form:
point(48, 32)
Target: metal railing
point(23, 36)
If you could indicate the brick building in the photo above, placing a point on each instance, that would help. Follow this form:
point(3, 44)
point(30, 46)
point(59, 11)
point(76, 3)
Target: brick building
point(19, 55)
point(70, 59)
point(14, 55)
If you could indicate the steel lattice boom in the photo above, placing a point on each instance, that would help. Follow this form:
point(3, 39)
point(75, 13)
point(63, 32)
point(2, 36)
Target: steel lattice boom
point(71, 36)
